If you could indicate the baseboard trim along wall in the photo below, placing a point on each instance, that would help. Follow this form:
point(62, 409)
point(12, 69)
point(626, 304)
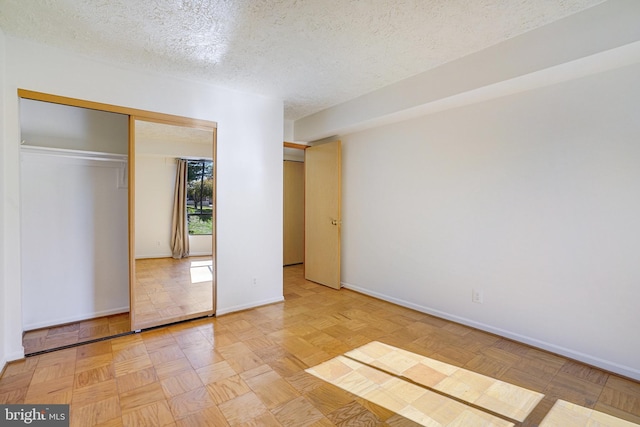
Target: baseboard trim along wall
point(169, 255)
point(14, 356)
point(233, 309)
point(623, 370)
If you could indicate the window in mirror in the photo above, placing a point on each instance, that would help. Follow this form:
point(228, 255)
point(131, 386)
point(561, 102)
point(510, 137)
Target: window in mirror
point(199, 196)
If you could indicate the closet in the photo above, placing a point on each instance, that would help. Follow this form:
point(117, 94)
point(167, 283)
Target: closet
point(74, 212)
point(293, 206)
point(95, 223)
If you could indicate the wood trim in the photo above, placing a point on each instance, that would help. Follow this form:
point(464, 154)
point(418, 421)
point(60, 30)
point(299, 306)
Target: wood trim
point(214, 236)
point(132, 220)
point(140, 114)
point(296, 146)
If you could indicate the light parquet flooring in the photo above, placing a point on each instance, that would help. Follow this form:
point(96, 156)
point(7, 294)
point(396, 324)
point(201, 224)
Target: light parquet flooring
point(248, 368)
point(73, 333)
point(169, 290)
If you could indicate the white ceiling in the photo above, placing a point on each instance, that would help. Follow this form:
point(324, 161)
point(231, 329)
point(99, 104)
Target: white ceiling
point(313, 54)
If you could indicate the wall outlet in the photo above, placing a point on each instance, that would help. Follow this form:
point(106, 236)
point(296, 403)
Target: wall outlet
point(254, 281)
point(476, 296)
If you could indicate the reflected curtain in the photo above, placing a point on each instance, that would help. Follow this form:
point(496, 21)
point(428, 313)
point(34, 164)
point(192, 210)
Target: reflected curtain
point(179, 226)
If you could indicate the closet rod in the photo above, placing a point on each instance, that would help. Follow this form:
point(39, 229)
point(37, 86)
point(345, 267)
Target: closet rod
point(75, 154)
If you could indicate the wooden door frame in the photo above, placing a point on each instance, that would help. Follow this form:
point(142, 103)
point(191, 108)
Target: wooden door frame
point(295, 145)
point(299, 147)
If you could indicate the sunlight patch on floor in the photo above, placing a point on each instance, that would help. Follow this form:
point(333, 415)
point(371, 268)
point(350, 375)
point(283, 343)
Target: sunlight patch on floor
point(434, 393)
point(425, 390)
point(413, 402)
point(568, 414)
point(498, 396)
point(201, 271)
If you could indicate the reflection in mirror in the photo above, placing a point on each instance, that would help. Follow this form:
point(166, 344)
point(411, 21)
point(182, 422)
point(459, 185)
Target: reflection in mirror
point(174, 224)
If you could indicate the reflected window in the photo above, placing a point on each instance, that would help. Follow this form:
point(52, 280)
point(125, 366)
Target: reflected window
point(200, 196)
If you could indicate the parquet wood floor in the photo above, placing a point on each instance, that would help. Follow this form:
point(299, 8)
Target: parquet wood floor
point(72, 333)
point(248, 368)
point(169, 290)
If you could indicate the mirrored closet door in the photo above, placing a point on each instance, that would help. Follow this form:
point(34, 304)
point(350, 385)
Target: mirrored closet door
point(118, 220)
point(173, 212)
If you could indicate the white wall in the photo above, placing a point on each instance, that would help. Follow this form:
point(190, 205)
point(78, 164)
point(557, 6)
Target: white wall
point(155, 179)
point(74, 237)
point(288, 130)
point(61, 126)
point(249, 238)
point(4, 301)
point(155, 185)
point(531, 198)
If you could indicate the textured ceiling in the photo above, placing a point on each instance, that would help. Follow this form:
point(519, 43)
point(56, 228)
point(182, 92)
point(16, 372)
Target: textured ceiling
point(311, 53)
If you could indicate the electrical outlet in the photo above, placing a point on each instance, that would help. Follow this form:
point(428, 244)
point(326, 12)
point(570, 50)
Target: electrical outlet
point(476, 296)
point(254, 281)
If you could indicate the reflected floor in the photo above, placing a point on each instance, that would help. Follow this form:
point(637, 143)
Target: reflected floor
point(73, 333)
point(169, 290)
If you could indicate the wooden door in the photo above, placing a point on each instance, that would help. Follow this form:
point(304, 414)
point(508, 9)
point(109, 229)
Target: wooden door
point(293, 227)
point(322, 214)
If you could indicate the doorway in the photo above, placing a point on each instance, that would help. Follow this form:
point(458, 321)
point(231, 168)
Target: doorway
point(319, 216)
point(293, 204)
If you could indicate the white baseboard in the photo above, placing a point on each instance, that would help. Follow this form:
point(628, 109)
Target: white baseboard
point(200, 254)
point(152, 256)
point(16, 355)
point(78, 318)
point(169, 255)
point(227, 310)
point(4, 361)
point(626, 371)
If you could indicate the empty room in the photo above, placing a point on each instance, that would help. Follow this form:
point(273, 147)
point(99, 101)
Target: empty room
point(352, 213)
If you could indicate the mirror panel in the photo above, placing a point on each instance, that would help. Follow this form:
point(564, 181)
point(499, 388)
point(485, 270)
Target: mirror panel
point(173, 242)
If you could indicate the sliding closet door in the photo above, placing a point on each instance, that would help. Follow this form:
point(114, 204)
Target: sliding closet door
point(173, 215)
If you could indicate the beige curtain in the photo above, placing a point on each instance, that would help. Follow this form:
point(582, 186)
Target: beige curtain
point(179, 226)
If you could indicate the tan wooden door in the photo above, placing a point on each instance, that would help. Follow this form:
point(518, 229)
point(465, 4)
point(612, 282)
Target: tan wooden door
point(322, 214)
point(293, 227)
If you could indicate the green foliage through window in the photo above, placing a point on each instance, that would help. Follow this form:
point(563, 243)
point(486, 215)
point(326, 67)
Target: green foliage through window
point(200, 196)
